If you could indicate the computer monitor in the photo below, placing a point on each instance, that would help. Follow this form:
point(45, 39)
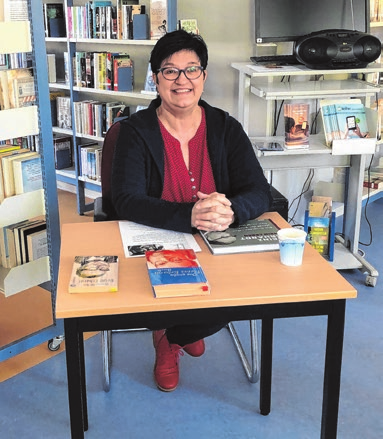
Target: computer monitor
point(288, 20)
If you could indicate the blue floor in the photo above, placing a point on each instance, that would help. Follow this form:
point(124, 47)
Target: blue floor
point(214, 399)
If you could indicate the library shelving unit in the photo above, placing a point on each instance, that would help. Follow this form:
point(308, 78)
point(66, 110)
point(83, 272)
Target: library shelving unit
point(139, 50)
point(27, 292)
point(259, 85)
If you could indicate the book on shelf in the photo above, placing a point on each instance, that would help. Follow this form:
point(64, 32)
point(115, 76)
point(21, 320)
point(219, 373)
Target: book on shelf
point(138, 238)
point(54, 20)
point(24, 232)
point(141, 27)
point(123, 72)
point(15, 10)
point(37, 245)
point(344, 119)
point(158, 18)
point(53, 95)
point(150, 85)
point(7, 169)
point(27, 224)
point(27, 174)
point(7, 244)
point(257, 235)
point(16, 88)
point(63, 151)
point(51, 60)
point(10, 242)
point(297, 128)
point(189, 25)
point(64, 113)
point(7, 151)
point(176, 273)
point(94, 274)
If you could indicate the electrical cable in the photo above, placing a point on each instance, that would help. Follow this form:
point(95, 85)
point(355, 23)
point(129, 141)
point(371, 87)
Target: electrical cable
point(304, 190)
point(366, 205)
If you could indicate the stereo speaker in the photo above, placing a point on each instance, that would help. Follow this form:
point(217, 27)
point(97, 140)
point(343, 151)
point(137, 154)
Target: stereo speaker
point(337, 49)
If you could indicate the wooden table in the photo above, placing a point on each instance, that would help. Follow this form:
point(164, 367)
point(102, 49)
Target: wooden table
point(244, 287)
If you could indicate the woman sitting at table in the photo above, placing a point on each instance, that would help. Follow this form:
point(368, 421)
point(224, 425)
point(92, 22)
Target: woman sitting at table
point(184, 165)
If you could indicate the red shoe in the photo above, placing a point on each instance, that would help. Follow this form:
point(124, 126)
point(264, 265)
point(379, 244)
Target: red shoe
point(166, 369)
point(195, 349)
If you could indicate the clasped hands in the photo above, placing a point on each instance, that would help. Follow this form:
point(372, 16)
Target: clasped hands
point(212, 212)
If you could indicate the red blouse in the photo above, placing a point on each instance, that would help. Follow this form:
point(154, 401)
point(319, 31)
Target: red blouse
point(181, 184)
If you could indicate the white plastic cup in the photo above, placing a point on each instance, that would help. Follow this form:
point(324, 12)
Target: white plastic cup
point(291, 246)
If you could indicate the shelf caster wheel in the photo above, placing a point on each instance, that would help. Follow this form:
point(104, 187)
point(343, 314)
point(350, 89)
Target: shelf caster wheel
point(55, 343)
point(371, 281)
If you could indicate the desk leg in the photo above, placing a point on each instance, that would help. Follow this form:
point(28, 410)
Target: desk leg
point(74, 348)
point(332, 374)
point(266, 366)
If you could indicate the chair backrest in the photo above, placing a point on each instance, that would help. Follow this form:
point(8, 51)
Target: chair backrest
point(105, 211)
point(108, 147)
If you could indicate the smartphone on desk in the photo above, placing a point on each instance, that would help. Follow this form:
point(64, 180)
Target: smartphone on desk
point(269, 146)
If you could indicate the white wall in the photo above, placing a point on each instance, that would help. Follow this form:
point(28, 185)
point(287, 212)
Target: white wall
point(227, 26)
point(228, 29)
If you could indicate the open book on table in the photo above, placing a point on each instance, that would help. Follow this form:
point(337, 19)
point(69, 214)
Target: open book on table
point(138, 239)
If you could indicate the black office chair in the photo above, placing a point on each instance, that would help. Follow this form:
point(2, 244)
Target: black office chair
point(104, 211)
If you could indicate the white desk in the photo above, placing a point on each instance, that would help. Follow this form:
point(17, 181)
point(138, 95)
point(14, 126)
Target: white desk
point(265, 84)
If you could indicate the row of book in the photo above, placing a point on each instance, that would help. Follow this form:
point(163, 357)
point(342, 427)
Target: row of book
point(31, 142)
point(104, 71)
point(15, 61)
point(20, 171)
point(103, 20)
point(90, 156)
point(92, 117)
point(23, 242)
point(17, 88)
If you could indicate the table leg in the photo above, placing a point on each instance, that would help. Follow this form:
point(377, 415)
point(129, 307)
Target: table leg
point(266, 365)
point(74, 348)
point(332, 373)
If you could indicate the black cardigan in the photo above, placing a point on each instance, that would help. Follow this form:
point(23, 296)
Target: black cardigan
point(138, 171)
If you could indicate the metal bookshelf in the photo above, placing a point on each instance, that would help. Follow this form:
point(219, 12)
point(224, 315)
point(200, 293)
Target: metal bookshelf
point(42, 272)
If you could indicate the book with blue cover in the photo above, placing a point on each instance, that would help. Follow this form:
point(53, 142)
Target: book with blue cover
point(176, 273)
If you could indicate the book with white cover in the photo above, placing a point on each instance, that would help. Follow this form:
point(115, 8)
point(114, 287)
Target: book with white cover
point(137, 239)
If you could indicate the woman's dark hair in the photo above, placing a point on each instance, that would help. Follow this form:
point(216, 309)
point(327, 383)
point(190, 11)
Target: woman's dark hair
point(175, 41)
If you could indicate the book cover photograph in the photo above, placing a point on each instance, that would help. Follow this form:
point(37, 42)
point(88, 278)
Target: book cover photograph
point(297, 130)
point(94, 274)
point(176, 273)
point(256, 235)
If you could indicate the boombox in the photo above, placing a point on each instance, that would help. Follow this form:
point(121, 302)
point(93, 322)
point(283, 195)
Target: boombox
point(337, 49)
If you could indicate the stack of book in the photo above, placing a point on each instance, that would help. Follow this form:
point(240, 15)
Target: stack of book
point(344, 119)
point(373, 178)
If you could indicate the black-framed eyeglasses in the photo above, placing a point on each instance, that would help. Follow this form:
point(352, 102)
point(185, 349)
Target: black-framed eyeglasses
point(172, 73)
